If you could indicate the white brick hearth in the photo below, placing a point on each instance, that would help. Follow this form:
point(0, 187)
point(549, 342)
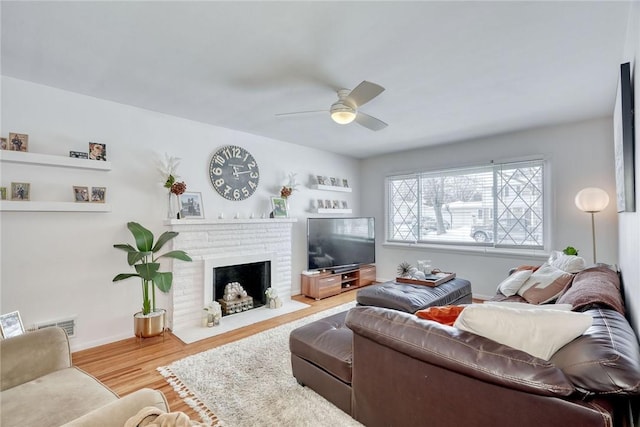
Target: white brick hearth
point(214, 243)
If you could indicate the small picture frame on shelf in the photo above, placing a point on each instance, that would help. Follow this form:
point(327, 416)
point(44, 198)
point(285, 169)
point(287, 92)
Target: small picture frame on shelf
point(78, 154)
point(345, 183)
point(20, 191)
point(80, 194)
point(279, 207)
point(328, 204)
point(3, 193)
point(18, 142)
point(11, 325)
point(98, 194)
point(97, 151)
point(345, 205)
point(335, 182)
point(322, 180)
point(320, 204)
point(336, 204)
point(4, 144)
point(191, 205)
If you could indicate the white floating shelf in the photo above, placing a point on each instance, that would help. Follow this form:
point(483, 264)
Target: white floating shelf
point(334, 211)
point(51, 160)
point(29, 206)
point(332, 188)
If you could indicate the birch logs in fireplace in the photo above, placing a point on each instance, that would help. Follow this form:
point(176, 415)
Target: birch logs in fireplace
point(235, 299)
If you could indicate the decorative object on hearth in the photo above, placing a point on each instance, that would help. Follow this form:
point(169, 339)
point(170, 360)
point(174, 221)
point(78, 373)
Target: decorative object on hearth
point(235, 299)
point(212, 314)
point(234, 173)
point(592, 200)
point(149, 321)
point(273, 300)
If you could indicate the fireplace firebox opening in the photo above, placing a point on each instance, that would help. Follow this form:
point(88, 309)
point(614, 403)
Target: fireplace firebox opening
point(254, 277)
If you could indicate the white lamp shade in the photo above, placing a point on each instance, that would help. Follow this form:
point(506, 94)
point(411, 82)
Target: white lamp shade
point(592, 199)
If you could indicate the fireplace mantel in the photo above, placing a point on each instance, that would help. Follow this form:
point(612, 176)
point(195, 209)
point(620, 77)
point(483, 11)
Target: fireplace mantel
point(176, 223)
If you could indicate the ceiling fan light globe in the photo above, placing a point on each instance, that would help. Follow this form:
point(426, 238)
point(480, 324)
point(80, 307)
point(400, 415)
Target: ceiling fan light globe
point(343, 117)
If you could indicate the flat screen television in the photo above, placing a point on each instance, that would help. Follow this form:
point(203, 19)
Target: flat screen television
point(338, 244)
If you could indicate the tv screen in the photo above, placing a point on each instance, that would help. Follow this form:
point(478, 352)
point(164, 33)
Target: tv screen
point(333, 243)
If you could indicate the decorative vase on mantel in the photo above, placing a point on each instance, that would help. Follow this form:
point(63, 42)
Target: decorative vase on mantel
point(173, 207)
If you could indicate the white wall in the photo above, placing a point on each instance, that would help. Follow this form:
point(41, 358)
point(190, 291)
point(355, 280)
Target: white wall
point(56, 265)
point(629, 228)
point(579, 155)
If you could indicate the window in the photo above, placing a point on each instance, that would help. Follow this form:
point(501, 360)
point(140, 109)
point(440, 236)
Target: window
point(500, 205)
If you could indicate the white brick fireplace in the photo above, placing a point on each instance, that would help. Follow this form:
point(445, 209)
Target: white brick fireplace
point(214, 243)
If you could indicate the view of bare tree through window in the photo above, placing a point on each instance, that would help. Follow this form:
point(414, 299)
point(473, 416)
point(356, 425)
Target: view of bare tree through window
point(497, 205)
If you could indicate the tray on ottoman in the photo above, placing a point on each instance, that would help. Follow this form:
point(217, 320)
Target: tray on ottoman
point(436, 279)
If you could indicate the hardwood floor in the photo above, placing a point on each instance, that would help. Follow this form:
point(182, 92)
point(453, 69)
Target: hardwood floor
point(128, 365)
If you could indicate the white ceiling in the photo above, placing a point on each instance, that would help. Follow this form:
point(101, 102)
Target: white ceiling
point(452, 70)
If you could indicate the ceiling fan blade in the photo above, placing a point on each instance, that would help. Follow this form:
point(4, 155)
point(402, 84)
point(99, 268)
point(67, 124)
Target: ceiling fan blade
point(370, 122)
point(364, 93)
point(302, 112)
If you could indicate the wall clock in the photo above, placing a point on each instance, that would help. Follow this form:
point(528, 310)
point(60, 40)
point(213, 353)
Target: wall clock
point(234, 173)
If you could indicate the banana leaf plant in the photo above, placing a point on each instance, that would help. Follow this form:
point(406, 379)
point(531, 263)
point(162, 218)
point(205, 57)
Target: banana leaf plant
point(144, 259)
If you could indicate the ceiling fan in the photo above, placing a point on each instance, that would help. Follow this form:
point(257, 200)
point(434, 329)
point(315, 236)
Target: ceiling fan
point(345, 109)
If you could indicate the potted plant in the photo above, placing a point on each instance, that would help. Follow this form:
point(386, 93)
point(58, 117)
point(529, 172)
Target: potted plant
point(149, 321)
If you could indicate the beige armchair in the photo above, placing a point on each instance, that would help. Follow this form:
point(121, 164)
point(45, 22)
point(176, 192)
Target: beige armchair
point(40, 386)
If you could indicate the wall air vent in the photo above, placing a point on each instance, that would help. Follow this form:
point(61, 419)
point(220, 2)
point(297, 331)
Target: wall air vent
point(69, 325)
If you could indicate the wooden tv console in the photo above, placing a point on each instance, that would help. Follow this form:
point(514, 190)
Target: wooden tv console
point(327, 284)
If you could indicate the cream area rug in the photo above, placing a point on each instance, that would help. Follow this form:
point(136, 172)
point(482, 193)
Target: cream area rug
point(249, 383)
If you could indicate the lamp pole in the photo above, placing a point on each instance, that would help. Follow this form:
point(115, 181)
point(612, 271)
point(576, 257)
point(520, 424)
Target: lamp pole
point(593, 234)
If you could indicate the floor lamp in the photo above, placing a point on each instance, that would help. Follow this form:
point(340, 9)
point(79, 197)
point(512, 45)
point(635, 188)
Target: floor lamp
point(592, 200)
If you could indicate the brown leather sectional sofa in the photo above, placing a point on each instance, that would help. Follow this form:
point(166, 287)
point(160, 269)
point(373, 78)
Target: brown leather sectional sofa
point(390, 368)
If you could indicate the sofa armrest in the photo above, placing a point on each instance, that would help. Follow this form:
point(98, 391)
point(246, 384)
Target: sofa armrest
point(463, 352)
point(32, 355)
point(118, 412)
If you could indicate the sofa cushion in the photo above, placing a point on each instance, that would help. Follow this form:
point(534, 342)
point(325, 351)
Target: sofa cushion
point(53, 399)
point(460, 351)
point(606, 358)
point(445, 315)
point(545, 284)
point(513, 282)
point(597, 286)
point(534, 331)
point(568, 263)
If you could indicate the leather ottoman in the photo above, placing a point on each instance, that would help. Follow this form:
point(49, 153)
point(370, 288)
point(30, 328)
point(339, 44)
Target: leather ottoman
point(321, 354)
point(411, 298)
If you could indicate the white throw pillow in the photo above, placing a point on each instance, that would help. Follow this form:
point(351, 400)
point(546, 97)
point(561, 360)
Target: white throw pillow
point(513, 282)
point(545, 284)
point(534, 331)
point(569, 263)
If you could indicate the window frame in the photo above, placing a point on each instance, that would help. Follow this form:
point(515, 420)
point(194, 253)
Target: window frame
point(475, 247)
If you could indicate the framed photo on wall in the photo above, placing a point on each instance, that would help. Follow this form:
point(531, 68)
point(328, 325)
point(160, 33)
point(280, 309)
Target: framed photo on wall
point(11, 325)
point(191, 205)
point(18, 142)
point(98, 194)
point(97, 151)
point(279, 207)
point(20, 191)
point(4, 144)
point(80, 194)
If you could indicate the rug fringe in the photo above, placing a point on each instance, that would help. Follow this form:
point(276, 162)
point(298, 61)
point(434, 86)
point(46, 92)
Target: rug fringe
point(207, 416)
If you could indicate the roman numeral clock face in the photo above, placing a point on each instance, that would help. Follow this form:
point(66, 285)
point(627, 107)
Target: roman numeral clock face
point(234, 173)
